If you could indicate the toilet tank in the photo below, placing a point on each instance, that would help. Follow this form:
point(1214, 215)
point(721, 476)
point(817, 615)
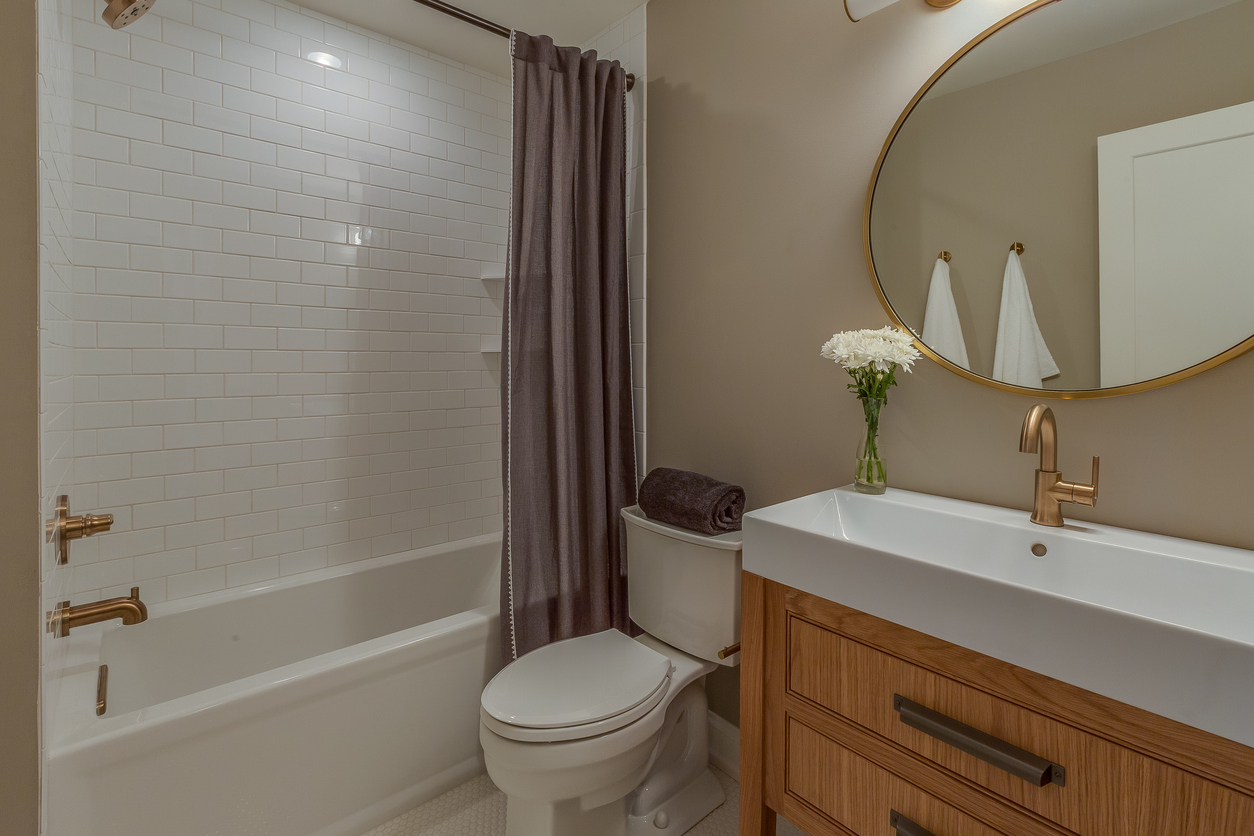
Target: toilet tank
point(684, 587)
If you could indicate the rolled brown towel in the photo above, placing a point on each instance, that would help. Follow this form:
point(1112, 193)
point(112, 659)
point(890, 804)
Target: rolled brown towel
point(692, 501)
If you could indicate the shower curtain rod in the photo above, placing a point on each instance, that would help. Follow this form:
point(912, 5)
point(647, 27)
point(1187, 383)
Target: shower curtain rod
point(485, 24)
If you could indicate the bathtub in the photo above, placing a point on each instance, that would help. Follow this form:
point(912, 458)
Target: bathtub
point(320, 705)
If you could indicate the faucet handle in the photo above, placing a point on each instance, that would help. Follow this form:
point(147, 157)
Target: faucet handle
point(62, 529)
point(1074, 491)
point(1087, 494)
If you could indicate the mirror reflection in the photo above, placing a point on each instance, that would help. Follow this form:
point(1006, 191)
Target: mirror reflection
point(1114, 141)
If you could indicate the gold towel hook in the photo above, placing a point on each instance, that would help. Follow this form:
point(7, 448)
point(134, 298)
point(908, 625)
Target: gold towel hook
point(1017, 248)
point(945, 256)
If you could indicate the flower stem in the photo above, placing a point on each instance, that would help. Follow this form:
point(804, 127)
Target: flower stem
point(871, 386)
point(870, 466)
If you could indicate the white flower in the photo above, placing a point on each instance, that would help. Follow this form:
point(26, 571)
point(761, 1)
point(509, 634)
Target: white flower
point(878, 349)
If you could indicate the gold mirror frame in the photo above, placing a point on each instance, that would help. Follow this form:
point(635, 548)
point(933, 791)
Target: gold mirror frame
point(1063, 394)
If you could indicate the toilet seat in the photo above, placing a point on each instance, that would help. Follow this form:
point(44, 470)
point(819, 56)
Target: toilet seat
point(526, 734)
point(575, 689)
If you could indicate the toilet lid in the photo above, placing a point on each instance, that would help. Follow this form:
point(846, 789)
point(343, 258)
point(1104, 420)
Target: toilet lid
point(577, 681)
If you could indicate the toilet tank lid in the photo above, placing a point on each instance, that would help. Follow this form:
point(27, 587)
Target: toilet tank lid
point(576, 681)
point(731, 540)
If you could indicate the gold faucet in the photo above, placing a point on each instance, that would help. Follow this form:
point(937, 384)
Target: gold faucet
point(1051, 491)
point(65, 618)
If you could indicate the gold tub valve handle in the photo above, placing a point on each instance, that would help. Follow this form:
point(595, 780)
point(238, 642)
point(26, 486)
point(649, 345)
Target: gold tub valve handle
point(62, 528)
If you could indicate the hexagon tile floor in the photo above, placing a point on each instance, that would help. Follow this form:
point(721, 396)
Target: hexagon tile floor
point(477, 808)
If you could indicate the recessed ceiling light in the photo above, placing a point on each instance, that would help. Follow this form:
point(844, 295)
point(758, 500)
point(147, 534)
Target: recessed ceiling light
point(326, 59)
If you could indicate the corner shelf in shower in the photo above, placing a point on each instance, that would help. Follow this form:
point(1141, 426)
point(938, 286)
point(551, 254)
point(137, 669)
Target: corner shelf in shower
point(491, 343)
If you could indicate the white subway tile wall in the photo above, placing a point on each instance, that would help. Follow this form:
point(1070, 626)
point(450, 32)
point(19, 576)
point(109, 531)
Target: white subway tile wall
point(625, 42)
point(279, 296)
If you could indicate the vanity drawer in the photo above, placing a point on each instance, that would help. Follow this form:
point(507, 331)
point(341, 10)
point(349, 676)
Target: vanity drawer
point(861, 796)
point(1107, 790)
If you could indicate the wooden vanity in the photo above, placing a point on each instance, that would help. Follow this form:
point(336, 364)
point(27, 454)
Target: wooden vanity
point(855, 726)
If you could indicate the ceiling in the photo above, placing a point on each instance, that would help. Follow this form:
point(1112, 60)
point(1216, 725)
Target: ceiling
point(569, 22)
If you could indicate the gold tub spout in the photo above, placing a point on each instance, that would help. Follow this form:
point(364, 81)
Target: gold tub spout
point(1040, 431)
point(65, 618)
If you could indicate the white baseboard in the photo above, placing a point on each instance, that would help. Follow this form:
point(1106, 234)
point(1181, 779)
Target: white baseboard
point(407, 799)
point(724, 745)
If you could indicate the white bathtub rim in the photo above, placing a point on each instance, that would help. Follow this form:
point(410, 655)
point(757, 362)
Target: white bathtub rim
point(232, 702)
point(251, 590)
point(78, 687)
point(82, 648)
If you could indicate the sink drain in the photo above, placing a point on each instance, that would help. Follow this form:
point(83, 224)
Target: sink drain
point(1039, 549)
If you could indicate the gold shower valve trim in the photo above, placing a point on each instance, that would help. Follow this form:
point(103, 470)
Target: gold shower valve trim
point(62, 529)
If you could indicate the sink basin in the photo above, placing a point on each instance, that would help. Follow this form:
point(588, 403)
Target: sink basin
point(1156, 622)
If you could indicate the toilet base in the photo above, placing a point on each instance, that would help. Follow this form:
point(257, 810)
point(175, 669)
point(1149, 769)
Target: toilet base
point(617, 783)
point(682, 810)
point(567, 818)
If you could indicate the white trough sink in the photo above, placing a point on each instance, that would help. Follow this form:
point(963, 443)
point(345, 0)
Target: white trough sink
point(1156, 622)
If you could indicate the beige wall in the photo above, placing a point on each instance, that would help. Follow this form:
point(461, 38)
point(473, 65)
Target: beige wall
point(1016, 160)
point(19, 428)
point(765, 121)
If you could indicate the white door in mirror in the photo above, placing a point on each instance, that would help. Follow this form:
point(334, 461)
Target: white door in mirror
point(1177, 272)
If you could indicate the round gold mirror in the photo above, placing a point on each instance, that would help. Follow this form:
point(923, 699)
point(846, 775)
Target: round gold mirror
point(1066, 208)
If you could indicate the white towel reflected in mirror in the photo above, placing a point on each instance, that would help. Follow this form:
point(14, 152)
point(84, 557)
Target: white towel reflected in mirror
point(1022, 358)
point(942, 332)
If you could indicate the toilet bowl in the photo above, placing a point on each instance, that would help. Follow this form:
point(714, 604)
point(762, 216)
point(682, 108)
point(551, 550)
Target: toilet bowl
point(605, 735)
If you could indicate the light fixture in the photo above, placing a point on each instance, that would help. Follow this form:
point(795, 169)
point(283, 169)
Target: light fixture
point(858, 9)
point(326, 59)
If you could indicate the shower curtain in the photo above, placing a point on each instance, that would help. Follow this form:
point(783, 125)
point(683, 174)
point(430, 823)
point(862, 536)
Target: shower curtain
point(568, 453)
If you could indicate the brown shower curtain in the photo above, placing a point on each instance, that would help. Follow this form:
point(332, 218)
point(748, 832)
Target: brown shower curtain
point(568, 441)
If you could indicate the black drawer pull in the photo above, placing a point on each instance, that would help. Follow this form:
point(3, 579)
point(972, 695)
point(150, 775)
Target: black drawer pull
point(904, 827)
point(1018, 762)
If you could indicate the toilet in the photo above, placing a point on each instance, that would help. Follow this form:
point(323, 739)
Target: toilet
point(606, 735)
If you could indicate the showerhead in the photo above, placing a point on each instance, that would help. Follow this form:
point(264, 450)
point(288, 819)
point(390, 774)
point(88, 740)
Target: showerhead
point(120, 13)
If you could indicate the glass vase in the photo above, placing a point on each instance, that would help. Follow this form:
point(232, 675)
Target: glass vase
point(870, 475)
